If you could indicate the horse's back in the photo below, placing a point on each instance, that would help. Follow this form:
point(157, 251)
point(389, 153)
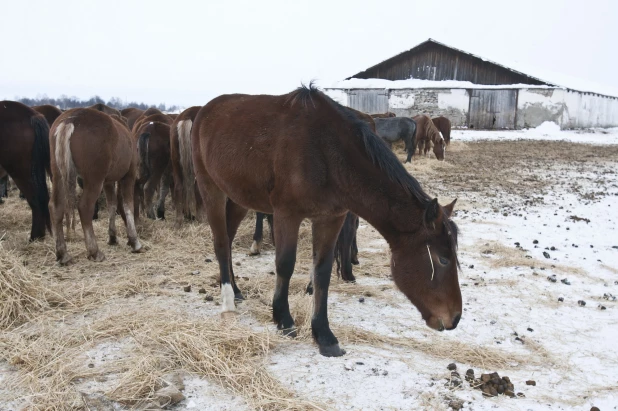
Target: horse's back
point(243, 142)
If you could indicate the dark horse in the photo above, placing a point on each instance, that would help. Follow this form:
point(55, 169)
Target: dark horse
point(24, 155)
point(155, 168)
point(302, 155)
point(444, 125)
point(99, 148)
point(398, 128)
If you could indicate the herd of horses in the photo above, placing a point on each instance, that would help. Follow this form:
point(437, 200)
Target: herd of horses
point(291, 157)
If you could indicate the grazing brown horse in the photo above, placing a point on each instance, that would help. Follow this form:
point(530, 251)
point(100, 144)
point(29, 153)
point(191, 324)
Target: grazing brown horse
point(187, 199)
point(131, 114)
point(444, 125)
point(384, 115)
point(155, 169)
point(51, 113)
point(426, 135)
point(302, 155)
point(24, 155)
point(105, 109)
point(100, 149)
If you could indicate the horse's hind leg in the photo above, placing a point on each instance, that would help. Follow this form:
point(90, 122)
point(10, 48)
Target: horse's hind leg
point(257, 234)
point(126, 189)
point(325, 232)
point(112, 204)
point(57, 205)
point(286, 240)
point(164, 190)
point(234, 215)
point(90, 195)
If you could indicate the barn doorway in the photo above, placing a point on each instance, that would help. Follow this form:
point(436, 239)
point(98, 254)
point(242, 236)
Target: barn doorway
point(369, 101)
point(493, 109)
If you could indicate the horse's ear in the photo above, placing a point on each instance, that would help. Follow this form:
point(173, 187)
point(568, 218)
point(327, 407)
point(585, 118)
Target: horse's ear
point(432, 211)
point(448, 209)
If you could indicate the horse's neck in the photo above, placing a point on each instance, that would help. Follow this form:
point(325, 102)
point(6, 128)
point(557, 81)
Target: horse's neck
point(383, 203)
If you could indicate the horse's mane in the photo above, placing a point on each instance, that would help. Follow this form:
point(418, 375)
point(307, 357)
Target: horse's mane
point(377, 150)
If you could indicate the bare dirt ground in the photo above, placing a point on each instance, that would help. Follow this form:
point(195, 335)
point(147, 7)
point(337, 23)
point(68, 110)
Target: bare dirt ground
point(111, 335)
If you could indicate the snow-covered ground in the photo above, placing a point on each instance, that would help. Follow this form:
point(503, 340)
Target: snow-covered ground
point(548, 131)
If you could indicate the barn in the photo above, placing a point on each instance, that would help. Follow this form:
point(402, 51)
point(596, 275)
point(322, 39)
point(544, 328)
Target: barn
point(436, 79)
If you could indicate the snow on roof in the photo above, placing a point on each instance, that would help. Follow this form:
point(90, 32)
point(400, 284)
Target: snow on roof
point(546, 76)
point(417, 83)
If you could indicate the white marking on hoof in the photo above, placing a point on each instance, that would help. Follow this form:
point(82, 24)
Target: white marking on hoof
point(227, 298)
point(255, 248)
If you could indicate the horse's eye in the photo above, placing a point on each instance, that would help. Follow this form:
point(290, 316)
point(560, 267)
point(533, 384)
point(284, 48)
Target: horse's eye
point(443, 261)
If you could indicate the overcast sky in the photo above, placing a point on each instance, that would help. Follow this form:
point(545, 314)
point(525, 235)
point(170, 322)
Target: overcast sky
point(188, 52)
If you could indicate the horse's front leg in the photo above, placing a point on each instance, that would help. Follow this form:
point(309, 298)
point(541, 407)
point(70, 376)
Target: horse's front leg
point(286, 239)
point(324, 232)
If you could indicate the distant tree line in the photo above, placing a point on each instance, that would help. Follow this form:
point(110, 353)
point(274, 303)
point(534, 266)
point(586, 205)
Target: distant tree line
point(65, 102)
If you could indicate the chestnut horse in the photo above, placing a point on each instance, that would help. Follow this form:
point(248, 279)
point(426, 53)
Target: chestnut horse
point(302, 155)
point(426, 135)
point(51, 113)
point(100, 149)
point(155, 169)
point(131, 114)
point(186, 198)
point(444, 125)
point(24, 155)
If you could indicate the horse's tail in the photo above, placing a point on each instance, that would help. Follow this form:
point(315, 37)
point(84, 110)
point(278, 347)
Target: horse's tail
point(186, 164)
point(66, 168)
point(343, 248)
point(41, 165)
point(144, 162)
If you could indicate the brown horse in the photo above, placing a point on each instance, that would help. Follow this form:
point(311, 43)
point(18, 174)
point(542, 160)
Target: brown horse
point(426, 135)
point(105, 109)
point(100, 149)
point(302, 155)
point(24, 155)
point(444, 125)
point(51, 113)
point(131, 114)
point(163, 118)
point(155, 169)
point(388, 114)
point(186, 197)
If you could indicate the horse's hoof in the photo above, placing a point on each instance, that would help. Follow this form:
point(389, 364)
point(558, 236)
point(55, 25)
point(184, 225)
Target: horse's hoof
point(239, 297)
point(355, 262)
point(112, 240)
point(255, 248)
point(65, 260)
point(161, 214)
point(229, 316)
point(309, 289)
point(331, 351)
point(351, 279)
point(140, 250)
point(97, 258)
point(288, 332)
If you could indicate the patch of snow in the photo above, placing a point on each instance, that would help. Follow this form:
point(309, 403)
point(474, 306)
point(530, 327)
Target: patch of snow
point(546, 131)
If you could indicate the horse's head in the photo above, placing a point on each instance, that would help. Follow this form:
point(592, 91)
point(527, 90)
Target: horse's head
point(439, 147)
point(424, 266)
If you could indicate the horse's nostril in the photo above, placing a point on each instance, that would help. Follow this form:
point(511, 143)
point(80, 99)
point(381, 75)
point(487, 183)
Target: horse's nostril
point(456, 321)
